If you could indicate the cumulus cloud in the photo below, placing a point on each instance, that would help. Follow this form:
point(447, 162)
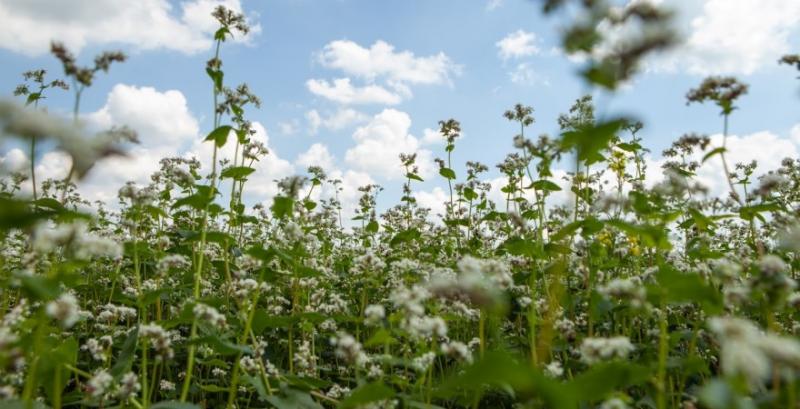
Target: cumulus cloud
point(493, 5)
point(380, 142)
point(343, 92)
point(30, 25)
point(765, 147)
point(517, 45)
point(342, 118)
point(387, 74)
point(316, 155)
point(434, 199)
point(526, 74)
point(381, 60)
point(166, 128)
point(730, 36)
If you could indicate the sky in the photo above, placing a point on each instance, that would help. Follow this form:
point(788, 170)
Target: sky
point(350, 84)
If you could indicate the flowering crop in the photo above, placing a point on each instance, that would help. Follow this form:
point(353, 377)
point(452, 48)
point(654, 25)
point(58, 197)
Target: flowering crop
point(634, 295)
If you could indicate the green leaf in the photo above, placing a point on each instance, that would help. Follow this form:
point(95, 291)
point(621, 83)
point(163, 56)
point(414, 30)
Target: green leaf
point(750, 212)
point(54, 358)
point(221, 346)
point(21, 404)
point(545, 185)
point(714, 152)
point(33, 97)
point(381, 337)
point(309, 204)
point(470, 194)
point(216, 76)
point(500, 370)
point(40, 287)
point(236, 172)
point(414, 176)
point(221, 33)
point(197, 201)
point(447, 173)
point(519, 246)
point(294, 399)
point(629, 147)
point(675, 287)
point(599, 380)
point(126, 354)
point(372, 226)
point(590, 141)
point(172, 404)
point(282, 206)
point(220, 135)
point(16, 214)
point(405, 236)
point(370, 392)
point(650, 236)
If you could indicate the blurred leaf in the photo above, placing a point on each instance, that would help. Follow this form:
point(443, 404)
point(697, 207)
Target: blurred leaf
point(127, 354)
point(414, 176)
point(220, 135)
point(676, 287)
point(545, 185)
point(293, 399)
point(447, 173)
point(367, 393)
point(600, 379)
point(404, 236)
point(590, 141)
point(174, 405)
point(500, 370)
point(236, 172)
point(714, 152)
point(282, 206)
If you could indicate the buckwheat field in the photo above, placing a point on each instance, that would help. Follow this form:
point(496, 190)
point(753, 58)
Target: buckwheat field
point(634, 292)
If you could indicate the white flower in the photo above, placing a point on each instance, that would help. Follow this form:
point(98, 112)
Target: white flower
point(458, 349)
point(166, 385)
point(423, 362)
point(210, 314)
point(348, 349)
point(374, 313)
point(99, 383)
point(594, 350)
point(65, 310)
point(554, 369)
point(128, 386)
point(614, 403)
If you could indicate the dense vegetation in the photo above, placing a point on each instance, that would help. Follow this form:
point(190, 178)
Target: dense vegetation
point(635, 295)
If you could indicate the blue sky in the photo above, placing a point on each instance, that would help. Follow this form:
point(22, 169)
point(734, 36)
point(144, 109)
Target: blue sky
point(471, 79)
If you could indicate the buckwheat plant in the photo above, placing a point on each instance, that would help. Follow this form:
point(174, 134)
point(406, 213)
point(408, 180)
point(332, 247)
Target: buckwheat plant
point(596, 279)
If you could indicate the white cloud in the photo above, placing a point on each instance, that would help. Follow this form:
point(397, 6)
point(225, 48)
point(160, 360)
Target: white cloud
point(517, 45)
point(525, 74)
point(434, 199)
point(342, 118)
point(765, 147)
point(343, 92)
point(166, 128)
point(380, 143)
point(162, 119)
point(288, 127)
point(493, 5)
point(316, 155)
point(386, 74)
point(730, 36)
point(261, 186)
point(432, 137)
point(30, 25)
point(14, 161)
point(381, 60)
